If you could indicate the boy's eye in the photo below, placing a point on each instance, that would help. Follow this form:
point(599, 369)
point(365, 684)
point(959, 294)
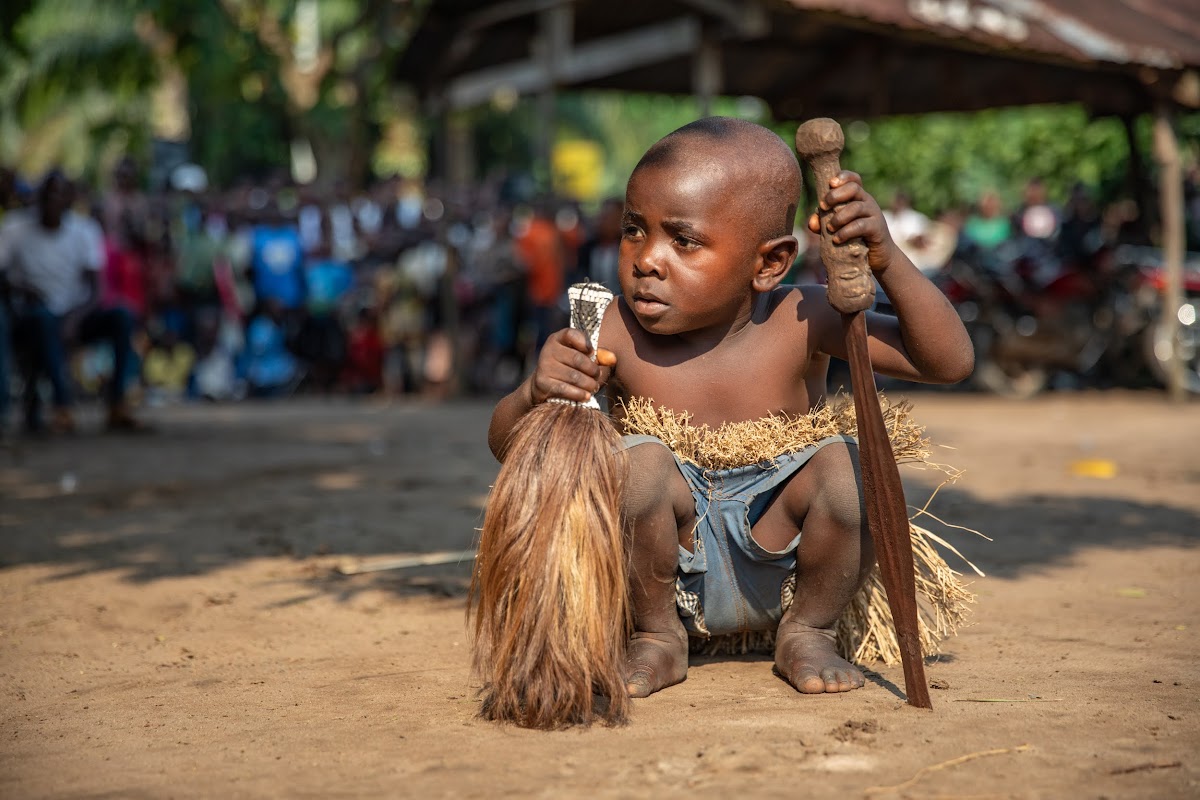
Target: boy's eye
point(630, 231)
point(685, 242)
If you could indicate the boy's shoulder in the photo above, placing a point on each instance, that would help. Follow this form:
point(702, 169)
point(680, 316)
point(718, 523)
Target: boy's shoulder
point(792, 305)
point(806, 304)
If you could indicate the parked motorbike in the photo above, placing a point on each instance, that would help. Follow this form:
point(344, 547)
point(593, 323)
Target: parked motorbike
point(1032, 317)
point(1141, 323)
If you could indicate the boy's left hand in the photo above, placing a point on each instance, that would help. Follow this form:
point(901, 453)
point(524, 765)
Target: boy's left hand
point(856, 214)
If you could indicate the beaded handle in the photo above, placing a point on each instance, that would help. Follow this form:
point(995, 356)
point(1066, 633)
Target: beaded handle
point(588, 303)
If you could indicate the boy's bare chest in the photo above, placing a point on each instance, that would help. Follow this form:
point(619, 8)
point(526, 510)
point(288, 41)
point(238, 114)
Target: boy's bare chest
point(724, 384)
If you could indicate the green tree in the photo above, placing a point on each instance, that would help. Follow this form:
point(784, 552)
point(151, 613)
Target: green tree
point(75, 83)
point(947, 160)
point(325, 65)
point(251, 78)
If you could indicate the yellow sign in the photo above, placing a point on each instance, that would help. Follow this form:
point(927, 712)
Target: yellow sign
point(578, 165)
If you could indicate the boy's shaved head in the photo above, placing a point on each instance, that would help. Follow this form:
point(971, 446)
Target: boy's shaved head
point(754, 159)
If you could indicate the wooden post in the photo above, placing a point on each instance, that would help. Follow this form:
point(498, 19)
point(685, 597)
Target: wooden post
point(1136, 178)
point(459, 150)
point(1166, 151)
point(450, 311)
point(706, 73)
point(551, 50)
point(435, 111)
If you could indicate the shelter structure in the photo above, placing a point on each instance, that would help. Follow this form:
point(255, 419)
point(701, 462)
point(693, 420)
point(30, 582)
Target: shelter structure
point(845, 59)
point(841, 58)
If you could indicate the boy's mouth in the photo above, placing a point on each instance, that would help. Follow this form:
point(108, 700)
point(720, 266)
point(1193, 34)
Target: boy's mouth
point(645, 303)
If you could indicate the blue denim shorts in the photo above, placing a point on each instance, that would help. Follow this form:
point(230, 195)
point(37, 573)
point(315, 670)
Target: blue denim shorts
point(729, 582)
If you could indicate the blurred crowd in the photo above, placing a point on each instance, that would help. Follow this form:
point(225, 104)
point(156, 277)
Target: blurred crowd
point(403, 288)
point(268, 289)
point(1071, 232)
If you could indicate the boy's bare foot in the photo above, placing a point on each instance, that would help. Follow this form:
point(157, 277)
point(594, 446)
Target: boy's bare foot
point(655, 661)
point(807, 658)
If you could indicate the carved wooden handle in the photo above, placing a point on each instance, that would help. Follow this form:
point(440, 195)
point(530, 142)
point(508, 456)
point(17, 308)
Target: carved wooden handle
point(851, 285)
point(852, 291)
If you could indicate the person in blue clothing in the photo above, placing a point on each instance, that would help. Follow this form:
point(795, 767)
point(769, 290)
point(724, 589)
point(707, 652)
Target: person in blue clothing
point(327, 280)
point(322, 338)
point(269, 367)
point(277, 261)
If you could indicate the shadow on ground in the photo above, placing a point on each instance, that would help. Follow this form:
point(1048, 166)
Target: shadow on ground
point(314, 483)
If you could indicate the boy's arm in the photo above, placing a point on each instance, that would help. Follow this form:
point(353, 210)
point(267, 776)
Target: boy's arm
point(926, 326)
point(565, 369)
point(510, 409)
point(926, 340)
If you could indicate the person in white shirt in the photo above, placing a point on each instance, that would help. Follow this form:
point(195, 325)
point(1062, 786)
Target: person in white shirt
point(927, 243)
point(53, 259)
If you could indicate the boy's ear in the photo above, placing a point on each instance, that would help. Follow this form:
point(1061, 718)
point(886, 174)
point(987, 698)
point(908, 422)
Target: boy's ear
point(775, 257)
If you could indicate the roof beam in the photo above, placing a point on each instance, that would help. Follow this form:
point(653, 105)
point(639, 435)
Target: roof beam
point(588, 61)
point(747, 17)
point(502, 12)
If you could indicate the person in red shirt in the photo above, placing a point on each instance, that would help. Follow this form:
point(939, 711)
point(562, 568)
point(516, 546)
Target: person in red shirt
point(541, 247)
point(364, 355)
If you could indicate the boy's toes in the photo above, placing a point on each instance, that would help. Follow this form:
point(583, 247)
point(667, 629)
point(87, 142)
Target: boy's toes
point(640, 683)
point(809, 681)
point(839, 680)
point(654, 662)
point(807, 659)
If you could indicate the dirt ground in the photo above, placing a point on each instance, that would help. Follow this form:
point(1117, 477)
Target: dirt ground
point(172, 625)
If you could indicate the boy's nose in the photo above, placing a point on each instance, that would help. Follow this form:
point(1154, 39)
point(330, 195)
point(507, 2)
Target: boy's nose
point(646, 263)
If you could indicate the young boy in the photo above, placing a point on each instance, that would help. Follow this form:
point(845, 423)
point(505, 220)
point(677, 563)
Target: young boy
point(703, 326)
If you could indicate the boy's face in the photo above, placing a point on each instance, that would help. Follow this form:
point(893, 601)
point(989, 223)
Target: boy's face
point(688, 248)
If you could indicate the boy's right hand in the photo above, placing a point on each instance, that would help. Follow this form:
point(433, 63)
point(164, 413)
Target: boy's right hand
point(565, 368)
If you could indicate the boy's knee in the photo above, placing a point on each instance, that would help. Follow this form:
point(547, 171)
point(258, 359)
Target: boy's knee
point(651, 469)
point(840, 486)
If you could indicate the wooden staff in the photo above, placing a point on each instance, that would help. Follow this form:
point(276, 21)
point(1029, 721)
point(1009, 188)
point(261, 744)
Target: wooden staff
point(852, 291)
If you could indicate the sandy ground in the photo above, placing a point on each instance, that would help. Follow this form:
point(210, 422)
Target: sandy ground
point(172, 626)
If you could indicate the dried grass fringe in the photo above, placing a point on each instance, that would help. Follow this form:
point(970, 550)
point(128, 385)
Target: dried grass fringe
point(865, 632)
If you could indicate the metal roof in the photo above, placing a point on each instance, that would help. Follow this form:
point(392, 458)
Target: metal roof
point(810, 57)
point(1164, 34)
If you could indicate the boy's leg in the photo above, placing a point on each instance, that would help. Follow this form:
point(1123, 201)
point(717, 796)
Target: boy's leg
point(835, 556)
point(659, 512)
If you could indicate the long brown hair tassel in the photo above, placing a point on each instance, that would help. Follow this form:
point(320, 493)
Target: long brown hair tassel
point(549, 593)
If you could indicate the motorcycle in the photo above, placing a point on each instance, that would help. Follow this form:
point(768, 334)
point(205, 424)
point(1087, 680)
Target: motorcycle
point(1032, 317)
point(1142, 325)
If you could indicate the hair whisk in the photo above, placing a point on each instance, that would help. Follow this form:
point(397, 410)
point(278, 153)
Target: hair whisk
point(549, 592)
